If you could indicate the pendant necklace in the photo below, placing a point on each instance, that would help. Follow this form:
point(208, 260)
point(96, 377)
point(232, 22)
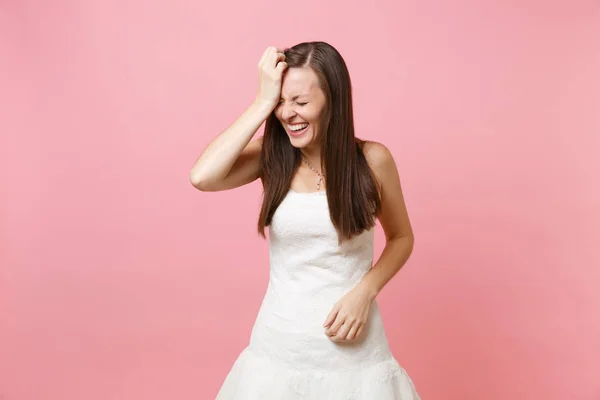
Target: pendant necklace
point(319, 175)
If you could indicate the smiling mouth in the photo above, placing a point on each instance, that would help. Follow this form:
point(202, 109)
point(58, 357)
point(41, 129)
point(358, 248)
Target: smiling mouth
point(297, 129)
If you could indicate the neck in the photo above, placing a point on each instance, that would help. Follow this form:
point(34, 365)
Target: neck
point(313, 156)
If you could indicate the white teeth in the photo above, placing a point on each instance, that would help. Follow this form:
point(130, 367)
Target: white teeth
point(298, 127)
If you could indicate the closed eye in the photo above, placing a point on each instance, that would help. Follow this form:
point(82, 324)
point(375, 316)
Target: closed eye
point(300, 104)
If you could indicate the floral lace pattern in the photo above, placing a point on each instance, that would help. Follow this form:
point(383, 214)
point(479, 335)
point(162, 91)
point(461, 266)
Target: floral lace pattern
point(289, 355)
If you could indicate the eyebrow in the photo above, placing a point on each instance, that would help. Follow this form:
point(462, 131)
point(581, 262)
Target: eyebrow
point(296, 96)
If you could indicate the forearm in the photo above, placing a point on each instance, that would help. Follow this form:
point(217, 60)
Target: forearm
point(216, 160)
point(394, 256)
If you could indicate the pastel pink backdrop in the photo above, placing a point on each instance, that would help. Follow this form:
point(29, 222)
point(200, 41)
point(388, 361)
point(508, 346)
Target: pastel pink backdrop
point(118, 280)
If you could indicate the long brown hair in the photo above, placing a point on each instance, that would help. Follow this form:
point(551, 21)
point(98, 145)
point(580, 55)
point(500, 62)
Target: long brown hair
point(352, 190)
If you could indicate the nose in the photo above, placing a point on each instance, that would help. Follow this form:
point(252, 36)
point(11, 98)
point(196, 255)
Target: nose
point(287, 112)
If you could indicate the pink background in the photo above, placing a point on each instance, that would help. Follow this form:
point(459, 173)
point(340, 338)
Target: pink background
point(119, 280)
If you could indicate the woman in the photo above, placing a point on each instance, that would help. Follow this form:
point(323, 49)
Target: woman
point(319, 333)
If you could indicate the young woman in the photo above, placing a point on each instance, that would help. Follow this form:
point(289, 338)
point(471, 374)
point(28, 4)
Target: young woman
point(318, 334)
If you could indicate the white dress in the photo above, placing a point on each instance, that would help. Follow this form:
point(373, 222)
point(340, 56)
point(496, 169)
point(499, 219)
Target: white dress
point(289, 356)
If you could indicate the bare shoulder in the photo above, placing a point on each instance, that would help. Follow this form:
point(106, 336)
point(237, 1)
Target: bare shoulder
point(380, 160)
point(393, 214)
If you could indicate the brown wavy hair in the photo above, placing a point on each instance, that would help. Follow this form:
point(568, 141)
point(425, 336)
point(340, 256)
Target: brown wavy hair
point(352, 191)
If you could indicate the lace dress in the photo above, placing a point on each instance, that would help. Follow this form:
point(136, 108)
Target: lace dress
point(289, 356)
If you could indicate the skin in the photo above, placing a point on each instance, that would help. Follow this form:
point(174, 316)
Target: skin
point(302, 101)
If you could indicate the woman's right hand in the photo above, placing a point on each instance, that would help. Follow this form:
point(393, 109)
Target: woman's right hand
point(270, 73)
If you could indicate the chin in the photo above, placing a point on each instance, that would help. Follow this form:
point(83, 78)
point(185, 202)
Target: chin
point(301, 141)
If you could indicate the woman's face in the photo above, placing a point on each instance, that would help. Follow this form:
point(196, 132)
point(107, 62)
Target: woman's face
point(301, 106)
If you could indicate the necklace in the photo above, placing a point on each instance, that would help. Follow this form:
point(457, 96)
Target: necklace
point(319, 175)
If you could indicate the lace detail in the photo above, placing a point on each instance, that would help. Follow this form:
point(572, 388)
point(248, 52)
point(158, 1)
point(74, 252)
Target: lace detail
point(289, 356)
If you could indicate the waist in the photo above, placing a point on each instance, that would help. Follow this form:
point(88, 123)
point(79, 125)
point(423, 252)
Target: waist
point(309, 280)
point(293, 331)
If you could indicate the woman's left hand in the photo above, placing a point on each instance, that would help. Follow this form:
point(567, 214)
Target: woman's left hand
point(346, 320)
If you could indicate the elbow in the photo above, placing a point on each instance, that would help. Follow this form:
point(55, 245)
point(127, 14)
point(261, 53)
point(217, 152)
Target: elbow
point(410, 242)
point(199, 182)
point(407, 241)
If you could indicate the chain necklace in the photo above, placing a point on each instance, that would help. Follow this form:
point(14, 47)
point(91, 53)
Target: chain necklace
point(319, 175)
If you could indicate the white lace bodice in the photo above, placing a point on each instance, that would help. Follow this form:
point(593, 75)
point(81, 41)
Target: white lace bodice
point(305, 257)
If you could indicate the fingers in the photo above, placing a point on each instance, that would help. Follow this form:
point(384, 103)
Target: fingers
point(343, 331)
point(359, 331)
point(347, 332)
point(331, 317)
point(270, 50)
point(342, 326)
point(337, 324)
point(275, 58)
point(280, 57)
point(352, 333)
point(281, 66)
point(271, 56)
